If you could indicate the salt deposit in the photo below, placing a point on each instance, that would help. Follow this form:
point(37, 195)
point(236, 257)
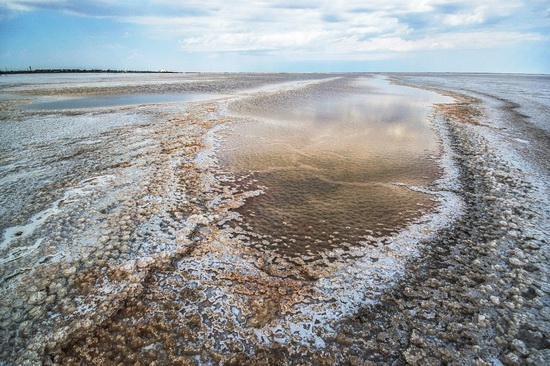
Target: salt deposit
point(124, 239)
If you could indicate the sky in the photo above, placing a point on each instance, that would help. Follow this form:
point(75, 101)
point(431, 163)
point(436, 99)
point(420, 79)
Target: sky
point(511, 36)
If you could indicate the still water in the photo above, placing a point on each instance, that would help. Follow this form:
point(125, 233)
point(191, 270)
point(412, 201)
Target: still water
point(114, 101)
point(334, 160)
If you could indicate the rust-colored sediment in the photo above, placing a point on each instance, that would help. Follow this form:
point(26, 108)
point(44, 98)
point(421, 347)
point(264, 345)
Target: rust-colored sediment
point(464, 110)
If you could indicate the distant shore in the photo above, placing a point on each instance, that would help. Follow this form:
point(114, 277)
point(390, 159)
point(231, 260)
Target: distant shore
point(83, 71)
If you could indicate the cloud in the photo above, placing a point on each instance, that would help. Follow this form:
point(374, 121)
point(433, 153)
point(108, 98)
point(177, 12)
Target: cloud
point(109, 8)
point(322, 27)
point(29, 5)
point(477, 16)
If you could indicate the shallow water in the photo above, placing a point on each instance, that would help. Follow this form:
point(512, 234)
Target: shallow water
point(334, 161)
point(114, 101)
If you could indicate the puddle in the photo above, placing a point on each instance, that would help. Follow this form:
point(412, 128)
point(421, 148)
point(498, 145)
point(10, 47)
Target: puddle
point(115, 101)
point(335, 161)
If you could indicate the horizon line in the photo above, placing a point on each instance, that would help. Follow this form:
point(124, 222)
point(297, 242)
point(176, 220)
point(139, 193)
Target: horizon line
point(130, 71)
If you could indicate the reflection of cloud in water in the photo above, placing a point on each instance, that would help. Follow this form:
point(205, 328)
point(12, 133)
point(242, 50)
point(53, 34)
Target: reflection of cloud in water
point(396, 131)
point(328, 156)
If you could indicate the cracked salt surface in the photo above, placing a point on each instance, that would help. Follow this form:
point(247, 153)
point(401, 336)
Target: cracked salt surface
point(21, 231)
point(151, 272)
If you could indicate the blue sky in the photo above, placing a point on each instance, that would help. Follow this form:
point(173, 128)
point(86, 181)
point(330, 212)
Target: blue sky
point(278, 35)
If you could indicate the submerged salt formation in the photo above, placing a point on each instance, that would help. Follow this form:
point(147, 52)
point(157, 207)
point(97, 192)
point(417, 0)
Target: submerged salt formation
point(337, 159)
point(137, 235)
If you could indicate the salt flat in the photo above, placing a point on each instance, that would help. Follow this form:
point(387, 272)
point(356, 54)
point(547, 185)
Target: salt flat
point(275, 219)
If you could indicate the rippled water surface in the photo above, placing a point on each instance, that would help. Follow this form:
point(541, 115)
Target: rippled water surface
point(333, 160)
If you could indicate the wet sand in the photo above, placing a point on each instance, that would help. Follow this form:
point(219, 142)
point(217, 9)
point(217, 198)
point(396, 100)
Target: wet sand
point(120, 246)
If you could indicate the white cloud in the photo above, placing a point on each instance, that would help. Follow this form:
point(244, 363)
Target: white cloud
point(29, 5)
point(331, 27)
point(392, 45)
point(477, 16)
point(250, 41)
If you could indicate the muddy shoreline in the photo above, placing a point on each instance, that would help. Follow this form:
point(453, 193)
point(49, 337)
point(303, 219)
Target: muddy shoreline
point(146, 275)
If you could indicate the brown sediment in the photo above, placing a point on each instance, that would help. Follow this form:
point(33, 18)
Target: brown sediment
point(150, 326)
point(110, 263)
point(164, 282)
point(465, 110)
point(302, 219)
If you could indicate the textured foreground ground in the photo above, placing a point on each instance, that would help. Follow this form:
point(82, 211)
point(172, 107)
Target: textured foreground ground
point(115, 250)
